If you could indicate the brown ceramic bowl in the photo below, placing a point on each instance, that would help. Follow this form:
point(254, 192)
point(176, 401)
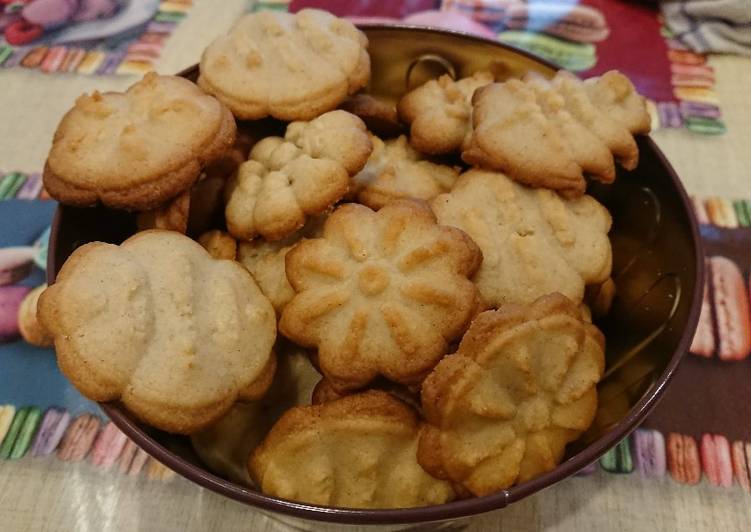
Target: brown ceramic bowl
point(658, 269)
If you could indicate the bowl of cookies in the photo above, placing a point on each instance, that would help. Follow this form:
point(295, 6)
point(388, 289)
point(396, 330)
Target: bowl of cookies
point(379, 275)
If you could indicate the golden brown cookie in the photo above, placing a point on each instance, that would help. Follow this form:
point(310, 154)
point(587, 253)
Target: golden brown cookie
point(380, 293)
point(551, 133)
point(512, 134)
point(600, 297)
point(395, 170)
point(289, 179)
point(219, 244)
point(28, 325)
point(160, 325)
point(172, 216)
point(380, 117)
point(354, 452)
point(289, 66)
point(439, 112)
point(138, 149)
point(266, 262)
point(533, 241)
point(521, 386)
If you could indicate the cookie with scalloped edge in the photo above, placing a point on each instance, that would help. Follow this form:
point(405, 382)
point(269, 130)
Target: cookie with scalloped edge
point(534, 242)
point(380, 293)
point(395, 170)
point(286, 180)
point(439, 112)
point(288, 66)
point(137, 149)
point(551, 134)
point(521, 387)
point(355, 452)
point(158, 324)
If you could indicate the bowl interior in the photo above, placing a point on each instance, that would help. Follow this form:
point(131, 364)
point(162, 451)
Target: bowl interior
point(658, 271)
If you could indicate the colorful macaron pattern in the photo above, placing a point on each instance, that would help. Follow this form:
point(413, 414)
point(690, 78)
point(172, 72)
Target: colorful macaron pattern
point(27, 431)
point(696, 105)
point(18, 185)
point(724, 328)
point(111, 58)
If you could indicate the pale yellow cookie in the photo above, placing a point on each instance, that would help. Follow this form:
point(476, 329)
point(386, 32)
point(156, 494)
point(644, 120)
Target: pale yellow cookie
point(289, 66)
point(219, 244)
point(266, 262)
point(533, 241)
point(395, 170)
point(380, 293)
point(289, 179)
point(172, 216)
point(356, 452)
point(28, 325)
point(138, 149)
point(512, 134)
point(551, 134)
point(160, 325)
point(439, 112)
point(521, 386)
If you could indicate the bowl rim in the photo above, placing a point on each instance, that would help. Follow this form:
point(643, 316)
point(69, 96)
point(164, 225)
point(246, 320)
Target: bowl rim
point(457, 509)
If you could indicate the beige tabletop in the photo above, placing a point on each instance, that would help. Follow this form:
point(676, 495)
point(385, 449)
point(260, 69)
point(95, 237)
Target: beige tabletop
point(46, 494)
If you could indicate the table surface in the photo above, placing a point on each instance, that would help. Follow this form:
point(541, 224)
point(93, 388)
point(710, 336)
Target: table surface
point(45, 494)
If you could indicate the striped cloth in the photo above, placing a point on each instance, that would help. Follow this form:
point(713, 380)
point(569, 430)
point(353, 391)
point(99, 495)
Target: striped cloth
point(710, 26)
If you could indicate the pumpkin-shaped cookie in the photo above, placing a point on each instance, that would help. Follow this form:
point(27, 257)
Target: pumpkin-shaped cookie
point(292, 66)
point(533, 241)
point(137, 149)
point(380, 293)
point(358, 452)
point(160, 325)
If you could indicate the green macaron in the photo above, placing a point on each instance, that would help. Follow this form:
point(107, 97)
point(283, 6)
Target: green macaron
point(11, 184)
point(569, 55)
point(618, 459)
point(704, 126)
point(743, 212)
point(21, 432)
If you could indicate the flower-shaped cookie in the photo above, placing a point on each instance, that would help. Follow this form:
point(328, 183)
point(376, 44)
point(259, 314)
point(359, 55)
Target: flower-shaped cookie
point(289, 66)
point(440, 112)
point(288, 179)
point(380, 293)
point(395, 170)
point(157, 323)
point(533, 241)
point(138, 149)
point(521, 386)
point(551, 133)
point(356, 452)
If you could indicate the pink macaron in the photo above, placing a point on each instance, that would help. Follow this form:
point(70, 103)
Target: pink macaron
point(716, 461)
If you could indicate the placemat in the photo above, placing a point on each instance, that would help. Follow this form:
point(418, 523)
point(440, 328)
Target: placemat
point(97, 37)
point(99, 492)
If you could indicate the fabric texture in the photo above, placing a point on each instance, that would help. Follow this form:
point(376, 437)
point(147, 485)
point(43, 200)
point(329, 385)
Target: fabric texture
point(711, 26)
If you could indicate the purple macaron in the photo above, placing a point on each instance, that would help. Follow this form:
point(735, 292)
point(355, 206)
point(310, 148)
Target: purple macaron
point(50, 432)
point(649, 453)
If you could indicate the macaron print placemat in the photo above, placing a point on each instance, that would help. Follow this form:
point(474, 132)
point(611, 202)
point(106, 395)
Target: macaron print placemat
point(41, 414)
point(589, 37)
point(87, 36)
